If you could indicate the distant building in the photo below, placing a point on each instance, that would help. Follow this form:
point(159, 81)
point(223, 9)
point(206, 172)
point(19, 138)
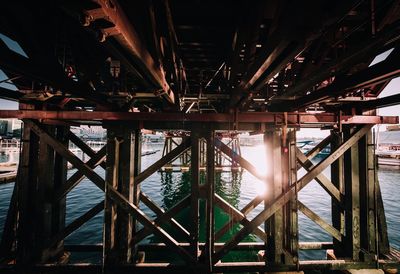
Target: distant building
point(3, 127)
point(90, 133)
point(389, 140)
point(10, 127)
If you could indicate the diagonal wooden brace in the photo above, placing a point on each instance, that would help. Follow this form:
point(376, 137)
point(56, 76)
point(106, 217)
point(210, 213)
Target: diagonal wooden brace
point(237, 218)
point(324, 182)
point(164, 160)
point(284, 197)
point(74, 225)
point(77, 177)
point(68, 155)
point(84, 147)
point(319, 221)
point(159, 212)
point(317, 149)
point(144, 232)
point(140, 216)
point(238, 215)
point(243, 162)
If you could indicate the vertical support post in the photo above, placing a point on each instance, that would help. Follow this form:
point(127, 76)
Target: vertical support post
point(60, 178)
point(367, 194)
point(26, 180)
point(210, 236)
point(42, 209)
point(337, 178)
point(277, 178)
point(8, 239)
point(136, 187)
point(292, 242)
point(352, 186)
point(194, 201)
point(118, 226)
point(41, 172)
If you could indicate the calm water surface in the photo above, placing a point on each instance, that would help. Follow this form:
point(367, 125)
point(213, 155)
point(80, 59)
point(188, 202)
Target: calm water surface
point(238, 188)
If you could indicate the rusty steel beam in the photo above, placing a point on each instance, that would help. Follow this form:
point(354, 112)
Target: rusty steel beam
point(32, 69)
point(124, 32)
point(383, 41)
point(387, 101)
point(276, 118)
point(375, 74)
point(8, 94)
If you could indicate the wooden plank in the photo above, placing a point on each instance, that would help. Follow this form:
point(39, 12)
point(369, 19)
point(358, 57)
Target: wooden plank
point(210, 218)
point(25, 182)
point(352, 197)
point(274, 182)
point(164, 160)
point(120, 177)
point(284, 198)
point(126, 168)
point(78, 176)
point(371, 210)
point(42, 230)
point(60, 179)
point(75, 224)
point(293, 244)
point(319, 221)
point(367, 197)
point(136, 186)
point(245, 246)
point(195, 194)
point(51, 178)
point(317, 149)
point(223, 267)
point(324, 182)
point(337, 177)
point(159, 212)
point(110, 245)
point(242, 162)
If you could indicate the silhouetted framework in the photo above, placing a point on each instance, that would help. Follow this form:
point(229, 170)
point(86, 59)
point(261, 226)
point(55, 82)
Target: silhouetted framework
point(198, 71)
point(358, 230)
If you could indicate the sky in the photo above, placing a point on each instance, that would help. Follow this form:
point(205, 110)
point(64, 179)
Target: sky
point(392, 88)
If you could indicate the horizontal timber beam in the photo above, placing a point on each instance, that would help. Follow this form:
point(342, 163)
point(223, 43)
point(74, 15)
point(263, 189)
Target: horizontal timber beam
point(276, 118)
point(161, 246)
point(219, 267)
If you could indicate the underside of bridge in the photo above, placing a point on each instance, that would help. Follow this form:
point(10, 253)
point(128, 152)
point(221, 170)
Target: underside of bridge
point(200, 69)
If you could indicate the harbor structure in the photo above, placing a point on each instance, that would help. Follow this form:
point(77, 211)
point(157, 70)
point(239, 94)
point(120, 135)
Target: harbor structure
point(202, 69)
